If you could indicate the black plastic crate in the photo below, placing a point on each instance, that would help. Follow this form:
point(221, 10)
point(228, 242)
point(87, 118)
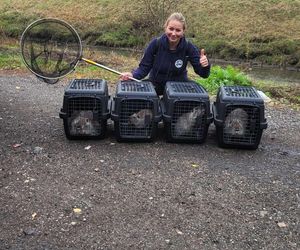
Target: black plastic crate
point(135, 111)
point(239, 116)
point(186, 112)
point(85, 109)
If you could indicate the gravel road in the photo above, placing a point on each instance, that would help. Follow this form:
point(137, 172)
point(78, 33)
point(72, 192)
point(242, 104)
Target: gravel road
point(101, 194)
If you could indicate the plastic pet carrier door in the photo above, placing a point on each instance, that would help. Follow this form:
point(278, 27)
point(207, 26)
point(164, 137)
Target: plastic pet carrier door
point(239, 116)
point(85, 109)
point(135, 111)
point(186, 112)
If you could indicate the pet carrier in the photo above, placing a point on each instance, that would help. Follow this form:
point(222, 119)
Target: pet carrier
point(186, 112)
point(239, 116)
point(135, 111)
point(85, 109)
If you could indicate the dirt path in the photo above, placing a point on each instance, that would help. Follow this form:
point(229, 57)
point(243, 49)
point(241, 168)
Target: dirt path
point(55, 194)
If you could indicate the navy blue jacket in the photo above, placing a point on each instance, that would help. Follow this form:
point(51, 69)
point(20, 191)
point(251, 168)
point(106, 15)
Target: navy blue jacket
point(169, 65)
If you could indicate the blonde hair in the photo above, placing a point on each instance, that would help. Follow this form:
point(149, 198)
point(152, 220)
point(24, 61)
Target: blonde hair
point(178, 17)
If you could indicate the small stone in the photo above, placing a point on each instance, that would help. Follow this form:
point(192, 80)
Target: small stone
point(263, 213)
point(17, 145)
point(37, 150)
point(282, 224)
point(271, 104)
point(96, 169)
point(273, 135)
point(29, 231)
point(283, 153)
point(150, 198)
point(179, 232)
point(73, 223)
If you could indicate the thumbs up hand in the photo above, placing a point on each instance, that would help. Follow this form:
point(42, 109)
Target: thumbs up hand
point(203, 58)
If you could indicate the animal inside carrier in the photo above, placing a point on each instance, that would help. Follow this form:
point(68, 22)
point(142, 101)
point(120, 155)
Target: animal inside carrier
point(186, 112)
point(85, 109)
point(239, 116)
point(135, 111)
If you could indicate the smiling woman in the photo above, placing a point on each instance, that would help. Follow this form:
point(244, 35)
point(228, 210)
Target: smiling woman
point(174, 29)
point(166, 57)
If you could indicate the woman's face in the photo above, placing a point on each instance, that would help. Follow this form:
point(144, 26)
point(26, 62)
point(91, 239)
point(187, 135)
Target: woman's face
point(174, 31)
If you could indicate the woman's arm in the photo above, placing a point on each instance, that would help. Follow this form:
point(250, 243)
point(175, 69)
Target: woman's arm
point(145, 64)
point(147, 61)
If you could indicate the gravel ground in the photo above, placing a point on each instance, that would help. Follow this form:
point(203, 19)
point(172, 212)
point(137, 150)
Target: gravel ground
point(57, 194)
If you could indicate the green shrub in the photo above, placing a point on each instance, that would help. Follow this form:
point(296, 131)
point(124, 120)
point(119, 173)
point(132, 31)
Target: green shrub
point(220, 76)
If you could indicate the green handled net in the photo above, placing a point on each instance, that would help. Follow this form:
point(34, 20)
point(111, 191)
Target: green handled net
point(51, 49)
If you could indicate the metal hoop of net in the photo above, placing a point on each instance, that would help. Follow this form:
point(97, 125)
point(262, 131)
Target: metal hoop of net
point(51, 49)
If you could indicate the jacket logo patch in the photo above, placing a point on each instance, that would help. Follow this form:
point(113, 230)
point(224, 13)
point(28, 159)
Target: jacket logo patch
point(178, 64)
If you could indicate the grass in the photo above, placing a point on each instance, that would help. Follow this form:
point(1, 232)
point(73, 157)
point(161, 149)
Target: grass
point(10, 56)
point(8, 62)
point(267, 31)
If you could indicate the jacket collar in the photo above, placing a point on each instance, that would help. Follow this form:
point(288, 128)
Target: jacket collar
point(165, 42)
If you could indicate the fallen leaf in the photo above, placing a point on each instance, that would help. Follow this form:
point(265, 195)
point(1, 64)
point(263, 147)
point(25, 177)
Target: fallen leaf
point(33, 215)
point(77, 210)
point(195, 165)
point(179, 232)
point(18, 87)
point(17, 145)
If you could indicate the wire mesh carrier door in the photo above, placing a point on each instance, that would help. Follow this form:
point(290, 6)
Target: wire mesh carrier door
point(85, 109)
point(186, 112)
point(135, 111)
point(239, 116)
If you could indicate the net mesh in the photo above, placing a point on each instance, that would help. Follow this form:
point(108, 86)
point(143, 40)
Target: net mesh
point(50, 48)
